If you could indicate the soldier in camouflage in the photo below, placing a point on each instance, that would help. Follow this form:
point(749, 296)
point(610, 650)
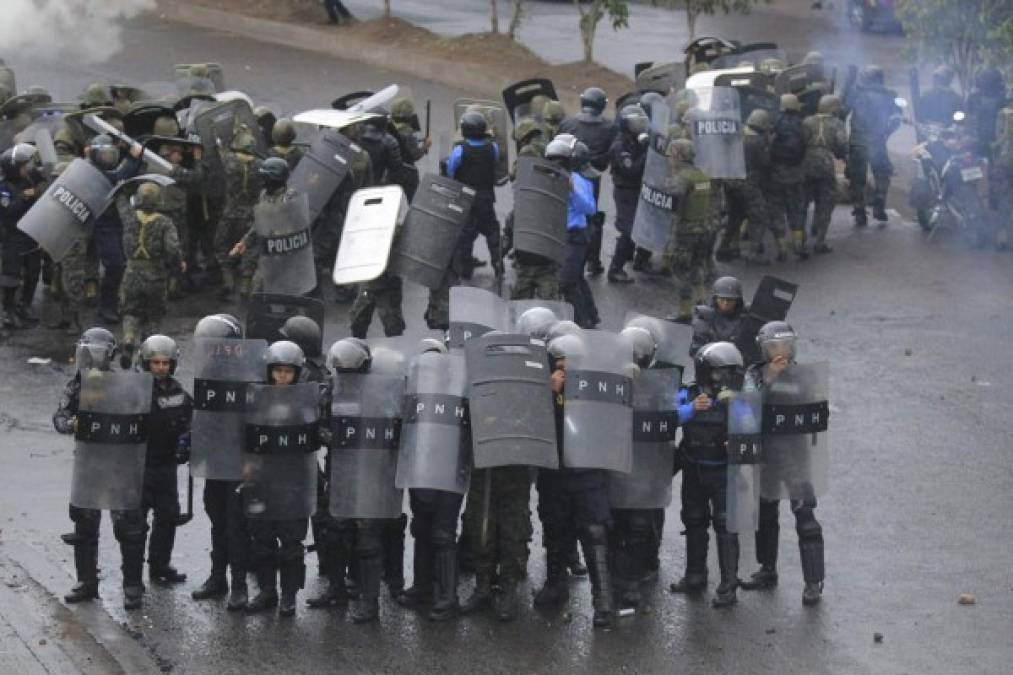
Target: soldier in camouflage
point(243, 186)
point(826, 139)
point(283, 139)
point(746, 200)
point(413, 148)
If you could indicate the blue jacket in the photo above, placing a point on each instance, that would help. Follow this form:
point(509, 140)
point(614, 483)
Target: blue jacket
point(454, 161)
point(581, 203)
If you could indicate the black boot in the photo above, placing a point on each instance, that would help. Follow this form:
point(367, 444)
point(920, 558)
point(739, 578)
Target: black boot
point(728, 562)
point(267, 597)
point(861, 219)
point(506, 604)
point(617, 275)
point(86, 562)
point(333, 561)
point(596, 553)
point(695, 579)
point(481, 597)
point(293, 578)
point(214, 586)
point(445, 587)
point(132, 550)
point(132, 596)
point(812, 571)
point(393, 555)
point(766, 555)
point(239, 595)
point(366, 608)
point(556, 590)
point(421, 591)
point(167, 574)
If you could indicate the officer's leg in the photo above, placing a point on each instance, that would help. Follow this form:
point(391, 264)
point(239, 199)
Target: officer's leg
point(766, 547)
point(334, 542)
point(595, 225)
point(554, 513)
point(216, 505)
point(823, 191)
point(479, 520)
point(437, 314)
point(86, 531)
point(633, 543)
point(110, 249)
point(626, 208)
point(31, 268)
point(72, 272)
point(263, 550)
point(291, 563)
point(695, 518)
point(592, 519)
point(361, 314)
point(653, 562)
point(795, 205)
point(679, 261)
point(810, 546)
point(882, 170)
point(856, 171)
point(447, 506)
point(389, 304)
point(421, 590)
point(131, 529)
point(512, 530)
point(393, 554)
point(369, 564)
point(488, 226)
point(466, 243)
point(160, 483)
point(728, 542)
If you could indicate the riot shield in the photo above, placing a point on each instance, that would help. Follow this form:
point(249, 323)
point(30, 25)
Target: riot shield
point(473, 313)
point(426, 244)
point(267, 313)
point(184, 80)
point(496, 117)
point(374, 215)
point(43, 139)
point(222, 371)
point(796, 444)
point(771, 302)
point(111, 440)
point(129, 187)
point(365, 433)
point(286, 249)
point(807, 81)
point(655, 419)
point(717, 133)
point(672, 339)
point(280, 451)
point(67, 208)
point(323, 168)
point(435, 443)
point(654, 222)
point(663, 78)
point(598, 410)
point(516, 308)
point(745, 453)
point(518, 96)
point(139, 121)
point(749, 55)
point(215, 123)
point(541, 192)
point(511, 403)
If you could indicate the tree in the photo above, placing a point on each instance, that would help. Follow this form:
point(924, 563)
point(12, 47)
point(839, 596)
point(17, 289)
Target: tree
point(618, 12)
point(516, 14)
point(696, 8)
point(963, 35)
point(386, 9)
point(495, 17)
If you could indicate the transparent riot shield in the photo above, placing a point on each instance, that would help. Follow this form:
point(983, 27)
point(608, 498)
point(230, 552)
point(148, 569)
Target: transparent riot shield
point(365, 436)
point(745, 454)
point(435, 441)
point(323, 169)
point(286, 250)
point(496, 117)
point(648, 485)
point(598, 409)
point(672, 339)
point(716, 130)
point(473, 313)
point(796, 449)
point(223, 369)
point(655, 219)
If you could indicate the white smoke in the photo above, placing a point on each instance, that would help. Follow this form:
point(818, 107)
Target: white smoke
point(87, 31)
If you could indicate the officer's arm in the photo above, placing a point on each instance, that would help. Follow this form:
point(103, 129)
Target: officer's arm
point(454, 161)
point(685, 406)
point(171, 242)
point(66, 413)
point(129, 168)
point(583, 193)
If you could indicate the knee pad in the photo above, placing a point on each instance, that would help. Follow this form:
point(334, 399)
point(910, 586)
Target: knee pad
point(806, 525)
point(695, 517)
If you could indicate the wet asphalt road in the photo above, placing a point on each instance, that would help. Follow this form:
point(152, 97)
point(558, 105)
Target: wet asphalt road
point(921, 481)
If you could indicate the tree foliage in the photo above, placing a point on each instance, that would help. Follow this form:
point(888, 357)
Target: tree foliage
point(617, 11)
point(697, 8)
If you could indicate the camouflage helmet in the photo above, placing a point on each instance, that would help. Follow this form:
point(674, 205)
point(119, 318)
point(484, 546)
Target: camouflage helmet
point(165, 125)
point(64, 137)
point(830, 104)
point(683, 150)
point(537, 104)
point(283, 132)
point(94, 96)
point(402, 108)
point(262, 111)
point(148, 196)
point(813, 58)
point(525, 128)
point(199, 70)
point(244, 141)
point(790, 102)
point(553, 112)
point(759, 120)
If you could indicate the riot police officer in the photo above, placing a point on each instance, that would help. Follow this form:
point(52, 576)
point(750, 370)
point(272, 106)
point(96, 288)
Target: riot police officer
point(719, 319)
point(627, 158)
point(20, 256)
point(874, 116)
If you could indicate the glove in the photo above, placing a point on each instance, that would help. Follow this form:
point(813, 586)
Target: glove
point(183, 449)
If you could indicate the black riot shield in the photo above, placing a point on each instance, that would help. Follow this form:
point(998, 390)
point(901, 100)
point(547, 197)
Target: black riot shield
point(518, 96)
point(648, 485)
point(473, 313)
point(111, 440)
point(374, 216)
point(807, 81)
point(280, 451)
point(139, 121)
point(796, 444)
point(511, 402)
point(423, 249)
point(496, 117)
point(365, 435)
point(771, 302)
point(662, 78)
point(323, 168)
point(717, 133)
point(745, 453)
point(267, 313)
point(215, 123)
point(435, 445)
point(286, 251)
point(654, 222)
point(672, 340)
point(598, 409)
point(755, 92)
point(541, 191)
point(67, 208)
point(222, 371)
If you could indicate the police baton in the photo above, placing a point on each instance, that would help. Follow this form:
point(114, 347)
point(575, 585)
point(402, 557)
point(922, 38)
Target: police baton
point(184, 518)
point(96, 123)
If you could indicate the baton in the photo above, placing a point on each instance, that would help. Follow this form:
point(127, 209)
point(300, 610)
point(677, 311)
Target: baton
point(184, 518)
point(487, 483)
point(429, 110)
point(96, 123)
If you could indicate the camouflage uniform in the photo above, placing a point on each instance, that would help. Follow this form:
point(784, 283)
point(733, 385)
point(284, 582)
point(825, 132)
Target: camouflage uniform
point(508, 529)
point(290, 153)
point(826, 138)
point(152, 249)
point(383, 294)
point(252, 241)
point(243, 186)
point(688, 257)
point(787, 196)
point(412, 147)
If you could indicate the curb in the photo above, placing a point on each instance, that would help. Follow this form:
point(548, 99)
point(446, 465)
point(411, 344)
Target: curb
point(332, 42)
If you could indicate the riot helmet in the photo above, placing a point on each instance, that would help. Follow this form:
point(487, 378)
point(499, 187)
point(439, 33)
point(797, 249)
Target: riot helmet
point(650, 99)
point(402, 109)
point(159, 346)
point(349, 355)
point(274, 172)
point(759, 121)
point(564, 327)
point(474, 126)
point(643, 344)
point(563, 347)
point(104, 152)
point(830, 104)
point(283, 132)
point(633, 121)
point(790, 102)
point(95, 349)
point(536, 322)
point(719, 365)
point(727, 288)
point(223, 326)
point(148, 197)
point(165, 125)
point(15, 158)
point(775, 338)
point(285, 353)
point(303, 331)
point(593, 100)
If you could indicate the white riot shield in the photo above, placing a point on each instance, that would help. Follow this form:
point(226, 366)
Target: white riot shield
point(655, 219)
point(745, 453)
point(716, 130)
point(374, 215)
point(111, 440)
point(280, 451)
point(286, 248)
point(223, 369)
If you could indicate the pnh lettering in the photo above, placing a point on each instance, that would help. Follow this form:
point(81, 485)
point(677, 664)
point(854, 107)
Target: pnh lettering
point(115, 429)
point(284, 439)
point(371, 432)
point(439, 409)
point(602, 387)
point(800, 420)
